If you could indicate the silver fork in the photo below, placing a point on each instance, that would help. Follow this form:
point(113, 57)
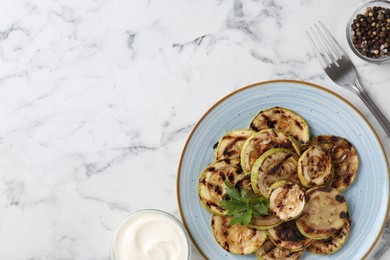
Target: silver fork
point(340, 69)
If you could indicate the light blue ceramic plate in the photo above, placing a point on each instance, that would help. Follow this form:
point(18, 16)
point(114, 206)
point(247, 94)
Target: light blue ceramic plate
point(326, 113)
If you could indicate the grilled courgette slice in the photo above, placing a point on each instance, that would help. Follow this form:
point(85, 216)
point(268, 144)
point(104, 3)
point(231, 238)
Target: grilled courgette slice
point(344, 157)
point(333, 243)
point(265, 222)
point(212, 188)
point(282, 119)
point(261, 222)
point(274, 165)
point(262, 141)
point(315, 167)
point(230, 145)
point(269, 251)
point(287, 236)
point(286, 200)
point(236, 239)
point(324, 213)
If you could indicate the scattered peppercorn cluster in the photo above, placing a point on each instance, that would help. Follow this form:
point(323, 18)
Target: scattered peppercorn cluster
point(371, 32)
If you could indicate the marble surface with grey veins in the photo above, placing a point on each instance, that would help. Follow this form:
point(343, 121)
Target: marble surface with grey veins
point(97, 99)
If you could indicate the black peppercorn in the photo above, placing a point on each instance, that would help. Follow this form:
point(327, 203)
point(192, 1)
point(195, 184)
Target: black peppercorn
point(370, 32)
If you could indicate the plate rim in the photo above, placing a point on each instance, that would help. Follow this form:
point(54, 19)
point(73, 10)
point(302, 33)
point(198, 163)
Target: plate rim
point(262, 83)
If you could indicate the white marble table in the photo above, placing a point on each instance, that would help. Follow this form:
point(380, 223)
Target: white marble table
point(98, 97)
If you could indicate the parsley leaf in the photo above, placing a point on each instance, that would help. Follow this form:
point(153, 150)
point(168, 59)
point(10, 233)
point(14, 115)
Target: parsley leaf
point(242, 205)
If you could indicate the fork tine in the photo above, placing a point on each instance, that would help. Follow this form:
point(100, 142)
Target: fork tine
point(322, 44)
point(332, 53)
point(319, 54)
point(335, 46)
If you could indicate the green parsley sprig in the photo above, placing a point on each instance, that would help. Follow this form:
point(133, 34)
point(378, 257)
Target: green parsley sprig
point(243, 205)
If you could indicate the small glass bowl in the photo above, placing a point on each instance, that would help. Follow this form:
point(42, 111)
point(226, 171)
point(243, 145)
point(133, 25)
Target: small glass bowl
point(362, 10)
point(139, 213)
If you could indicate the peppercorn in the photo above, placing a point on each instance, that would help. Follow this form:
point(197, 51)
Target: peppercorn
point(371, 32)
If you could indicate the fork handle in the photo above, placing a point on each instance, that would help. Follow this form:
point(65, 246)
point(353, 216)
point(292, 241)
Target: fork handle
point(371, 106)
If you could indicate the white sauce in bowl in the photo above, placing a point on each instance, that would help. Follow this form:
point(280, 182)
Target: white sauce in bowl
point(150, 234)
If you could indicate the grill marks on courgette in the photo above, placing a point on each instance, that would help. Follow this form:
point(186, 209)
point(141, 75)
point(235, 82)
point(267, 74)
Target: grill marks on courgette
point(282, 119)
point(261, 142)
point(236, 239)
point(324, 213)
point(274, 165)
point(211, 183)
point(230, 145)
point(315, 167)
point(344, 158)
point(287, 200)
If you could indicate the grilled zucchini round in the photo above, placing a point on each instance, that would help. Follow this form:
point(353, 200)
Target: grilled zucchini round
point(287, 236)
point(324, 213)
point(344, 157)
point(262, 141)
point(274, 165)
point(282, 119)
point(265, 222)
point(211, 183)
point(230, 145)
point(236, 239)
point(315, 167)
point(333, 243)
point(269, 251)
point(286, 201)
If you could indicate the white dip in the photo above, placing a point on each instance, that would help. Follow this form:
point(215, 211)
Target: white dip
point(150, 235)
